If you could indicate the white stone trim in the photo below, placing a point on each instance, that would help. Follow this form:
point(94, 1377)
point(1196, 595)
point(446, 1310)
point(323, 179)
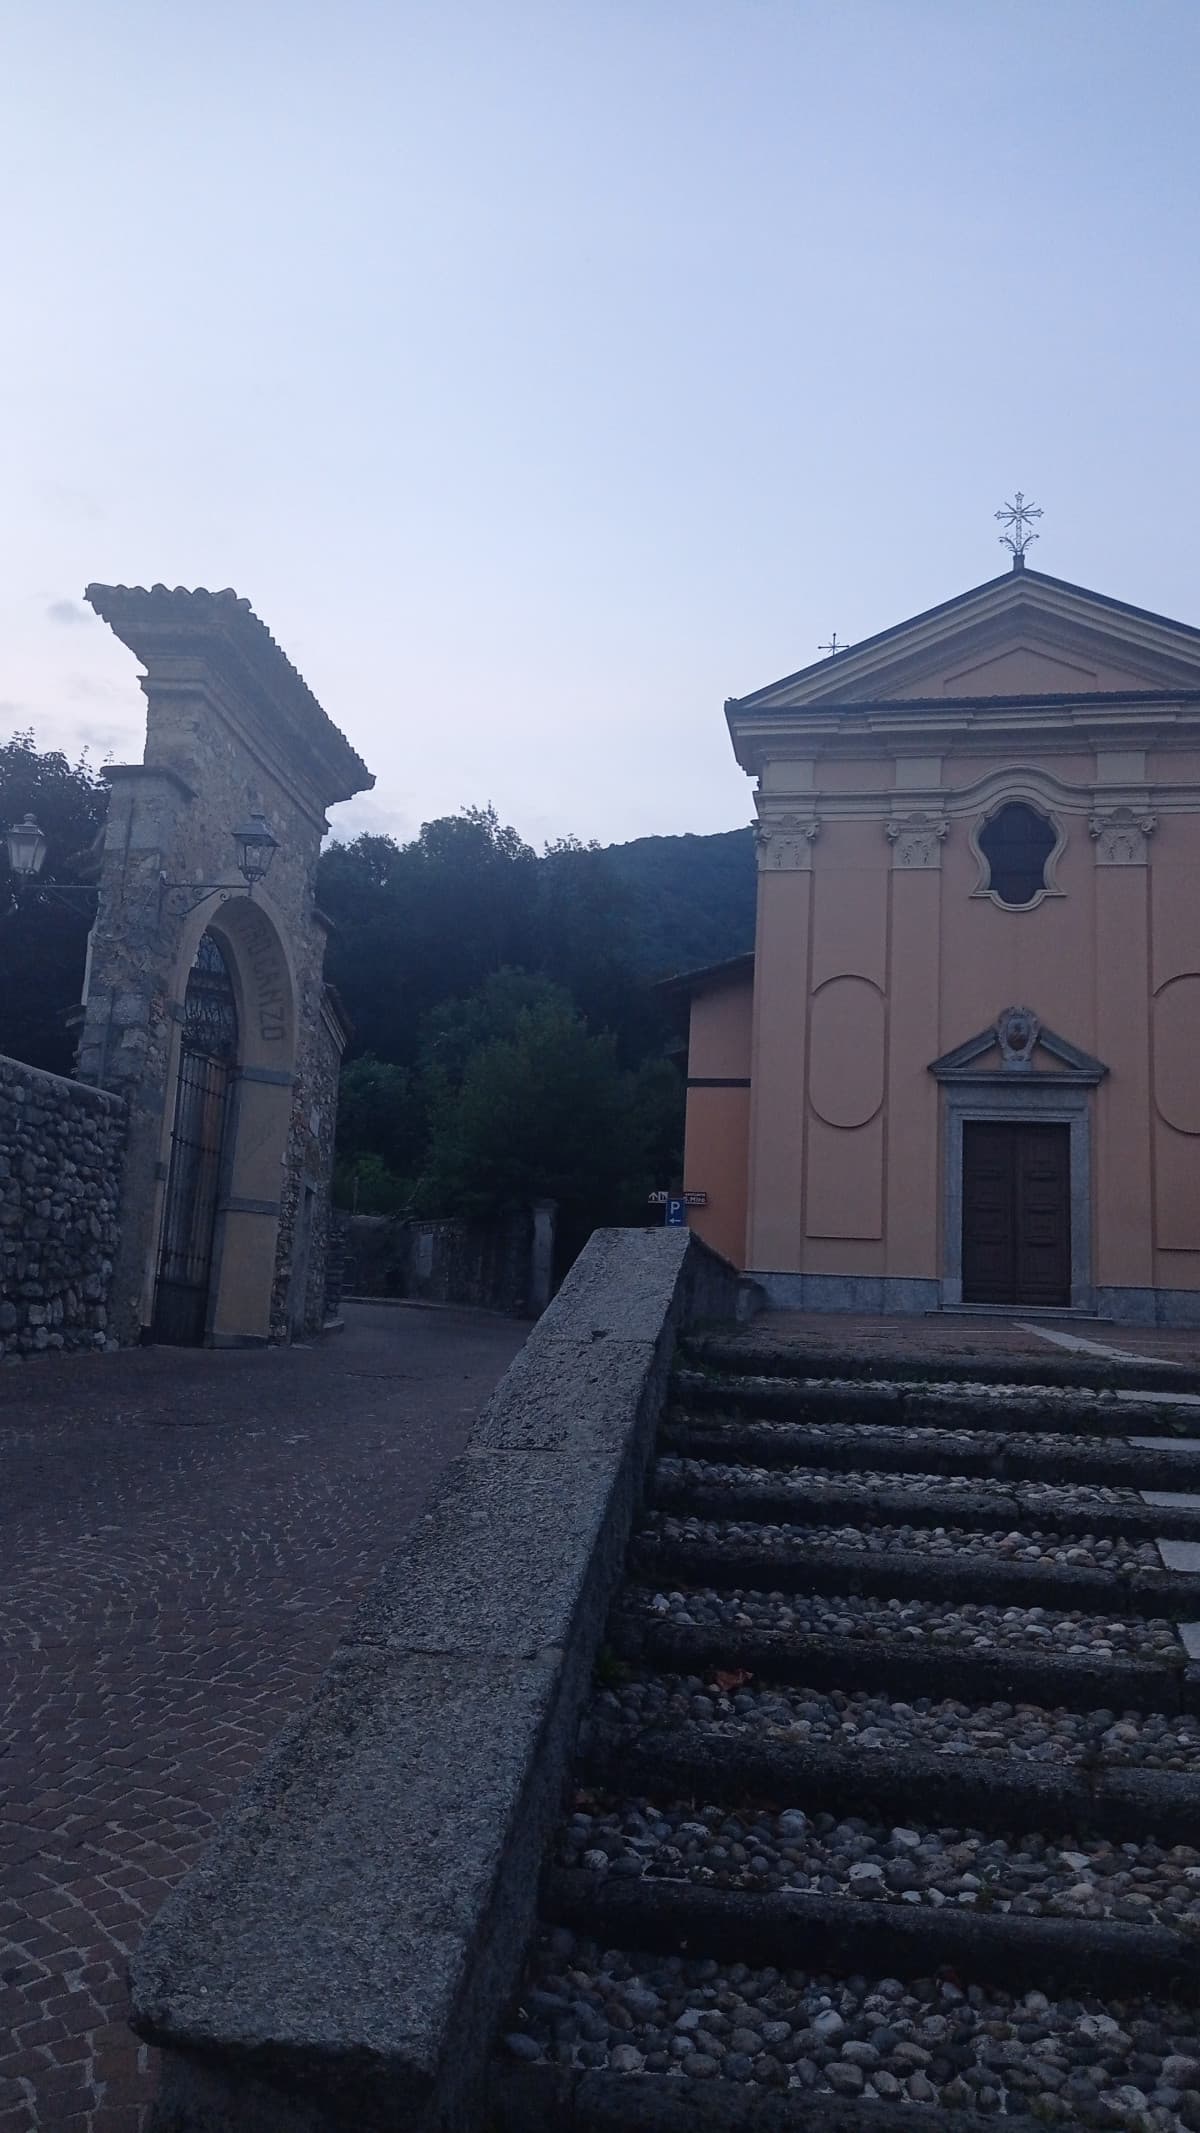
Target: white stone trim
point(1022, 789)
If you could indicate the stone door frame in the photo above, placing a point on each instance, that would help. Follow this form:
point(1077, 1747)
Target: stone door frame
point(1027, 1100)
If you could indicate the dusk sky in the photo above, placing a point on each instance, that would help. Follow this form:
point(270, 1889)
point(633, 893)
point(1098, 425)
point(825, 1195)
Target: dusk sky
point(545, 373)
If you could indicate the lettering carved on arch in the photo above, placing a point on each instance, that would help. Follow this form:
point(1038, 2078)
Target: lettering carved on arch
point(270, 979)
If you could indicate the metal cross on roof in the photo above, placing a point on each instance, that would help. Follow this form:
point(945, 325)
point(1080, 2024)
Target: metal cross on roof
point(1016, 517)
point(833, 647)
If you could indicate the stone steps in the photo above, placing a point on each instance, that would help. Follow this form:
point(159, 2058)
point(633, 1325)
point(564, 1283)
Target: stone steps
point(716, 1866)
point(687, 1487)
point(1104, 1414)
point(993, 1454)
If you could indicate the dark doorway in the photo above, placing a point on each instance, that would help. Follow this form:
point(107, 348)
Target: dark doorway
point(1016, 1213)
point(207, 1056)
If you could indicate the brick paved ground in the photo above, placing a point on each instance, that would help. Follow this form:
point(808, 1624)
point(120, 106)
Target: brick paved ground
point(182, 1535)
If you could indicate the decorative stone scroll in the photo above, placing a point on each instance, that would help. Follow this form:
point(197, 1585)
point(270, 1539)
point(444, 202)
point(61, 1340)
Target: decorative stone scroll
point(785, 843)
point(917, 839)
point(1121, 836)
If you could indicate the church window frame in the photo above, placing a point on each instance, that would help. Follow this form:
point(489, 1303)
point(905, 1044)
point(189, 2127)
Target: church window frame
point(1027, 798)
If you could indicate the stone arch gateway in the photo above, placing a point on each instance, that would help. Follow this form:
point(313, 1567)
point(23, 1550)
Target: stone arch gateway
point(224, 1213)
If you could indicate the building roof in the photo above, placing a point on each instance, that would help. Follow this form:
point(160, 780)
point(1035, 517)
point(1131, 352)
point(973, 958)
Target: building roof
point(822, 670)
point(165, 620)
point(729, 971)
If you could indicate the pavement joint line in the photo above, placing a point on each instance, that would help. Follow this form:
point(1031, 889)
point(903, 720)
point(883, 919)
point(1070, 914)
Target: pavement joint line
point(1075, 1342)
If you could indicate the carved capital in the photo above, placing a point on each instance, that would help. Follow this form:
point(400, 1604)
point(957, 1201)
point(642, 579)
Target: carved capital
point(785, 843)
point(917, 839)
point(1121, 835)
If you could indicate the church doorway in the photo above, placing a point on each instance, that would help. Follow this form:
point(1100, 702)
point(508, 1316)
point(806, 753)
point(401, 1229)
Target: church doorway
point(1016, 1213)
point(207, 1064)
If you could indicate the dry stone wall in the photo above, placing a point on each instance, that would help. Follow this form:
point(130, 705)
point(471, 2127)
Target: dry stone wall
point(60, 1160)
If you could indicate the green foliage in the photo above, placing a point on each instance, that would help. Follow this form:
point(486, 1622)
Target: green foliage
point(43, 946)
point(538, 1114)
point(364, 1184)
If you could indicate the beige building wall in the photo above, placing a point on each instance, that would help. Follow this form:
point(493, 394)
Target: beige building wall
point(880, 951)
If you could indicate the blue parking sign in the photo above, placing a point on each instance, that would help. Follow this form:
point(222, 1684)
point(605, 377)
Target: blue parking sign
point(676, 1217)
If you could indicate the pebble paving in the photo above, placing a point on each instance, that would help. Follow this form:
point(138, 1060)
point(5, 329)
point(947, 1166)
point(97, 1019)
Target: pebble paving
point(767, 1848)
point(1072, 1502)
point(1049, 1551)
point(859, 1719)
point(1133, 2066)
point(183, 1534)
point(977, 1628)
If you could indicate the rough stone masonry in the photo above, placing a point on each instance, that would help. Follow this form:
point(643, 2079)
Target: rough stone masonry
point(60, 1155)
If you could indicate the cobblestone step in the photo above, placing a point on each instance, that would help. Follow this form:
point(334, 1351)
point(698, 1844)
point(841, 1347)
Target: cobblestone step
point(755, 1353)
point(896, 1713)
point(994, 1454)
point(765, 1556)
point(849, 1936)
point(706, 1488)
point(739, 1761)
point(1051, 1412)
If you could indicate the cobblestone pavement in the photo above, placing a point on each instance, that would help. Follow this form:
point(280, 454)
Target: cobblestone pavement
point(182, 1537)
point(932, 1334)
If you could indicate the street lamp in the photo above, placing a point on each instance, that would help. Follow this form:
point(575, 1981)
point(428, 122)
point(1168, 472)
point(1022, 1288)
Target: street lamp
point(256, 848)
point(26, 849)
point(255, 845)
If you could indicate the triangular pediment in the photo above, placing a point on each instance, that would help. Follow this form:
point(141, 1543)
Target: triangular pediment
point(1017, 1046)
point(1020, 635)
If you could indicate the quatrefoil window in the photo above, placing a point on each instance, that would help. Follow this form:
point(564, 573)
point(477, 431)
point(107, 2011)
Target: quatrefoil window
point(1016, 843)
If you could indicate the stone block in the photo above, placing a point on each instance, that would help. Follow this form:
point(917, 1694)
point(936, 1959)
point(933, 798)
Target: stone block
point(504, 1562)
point(336, 1909)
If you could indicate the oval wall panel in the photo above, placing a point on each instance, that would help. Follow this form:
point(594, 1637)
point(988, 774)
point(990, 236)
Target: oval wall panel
point(845, 1071)
point(1177, 1053)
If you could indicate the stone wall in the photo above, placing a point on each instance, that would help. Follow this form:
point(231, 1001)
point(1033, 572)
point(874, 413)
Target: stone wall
point(484, 1264)
point(60, 1164)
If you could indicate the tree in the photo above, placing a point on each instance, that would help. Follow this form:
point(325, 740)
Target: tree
point(540, 1114)
point(43, 947)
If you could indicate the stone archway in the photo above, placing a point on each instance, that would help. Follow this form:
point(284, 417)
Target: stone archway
point(249, 1199)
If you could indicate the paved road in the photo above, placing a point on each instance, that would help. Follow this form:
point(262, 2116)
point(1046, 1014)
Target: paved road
point(182, 1535)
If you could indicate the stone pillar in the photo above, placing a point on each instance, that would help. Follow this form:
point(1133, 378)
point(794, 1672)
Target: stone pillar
point(127, 1038)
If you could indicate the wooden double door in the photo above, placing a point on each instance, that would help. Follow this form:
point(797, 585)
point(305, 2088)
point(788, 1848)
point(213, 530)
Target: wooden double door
point(1016, 1213)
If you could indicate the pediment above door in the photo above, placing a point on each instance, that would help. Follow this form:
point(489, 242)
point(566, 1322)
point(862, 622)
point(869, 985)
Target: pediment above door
point(1018, 1047)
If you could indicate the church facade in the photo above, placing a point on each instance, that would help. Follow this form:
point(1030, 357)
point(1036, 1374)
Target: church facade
point(962, 1066)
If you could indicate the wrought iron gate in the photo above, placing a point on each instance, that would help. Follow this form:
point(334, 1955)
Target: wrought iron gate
point(206, 1060)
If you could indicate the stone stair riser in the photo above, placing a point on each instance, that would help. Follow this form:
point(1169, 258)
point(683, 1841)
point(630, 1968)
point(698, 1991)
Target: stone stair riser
point(556, 2099)
point(783, 1444)
point(842, 1504)
point(898, 1574)
point(734, 1763)
point(908, 1667)
point(882, 1407)
point(847, 1935)
point(761, 1359)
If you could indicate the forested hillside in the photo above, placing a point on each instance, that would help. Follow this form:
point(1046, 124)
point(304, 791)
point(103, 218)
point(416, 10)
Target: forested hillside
point(509, 1041)
point(693, 897)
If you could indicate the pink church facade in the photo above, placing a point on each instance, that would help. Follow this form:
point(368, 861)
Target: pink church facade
point(963, 1063)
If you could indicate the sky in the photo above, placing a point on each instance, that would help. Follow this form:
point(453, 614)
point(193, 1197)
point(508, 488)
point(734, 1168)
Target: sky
point(545, 372)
